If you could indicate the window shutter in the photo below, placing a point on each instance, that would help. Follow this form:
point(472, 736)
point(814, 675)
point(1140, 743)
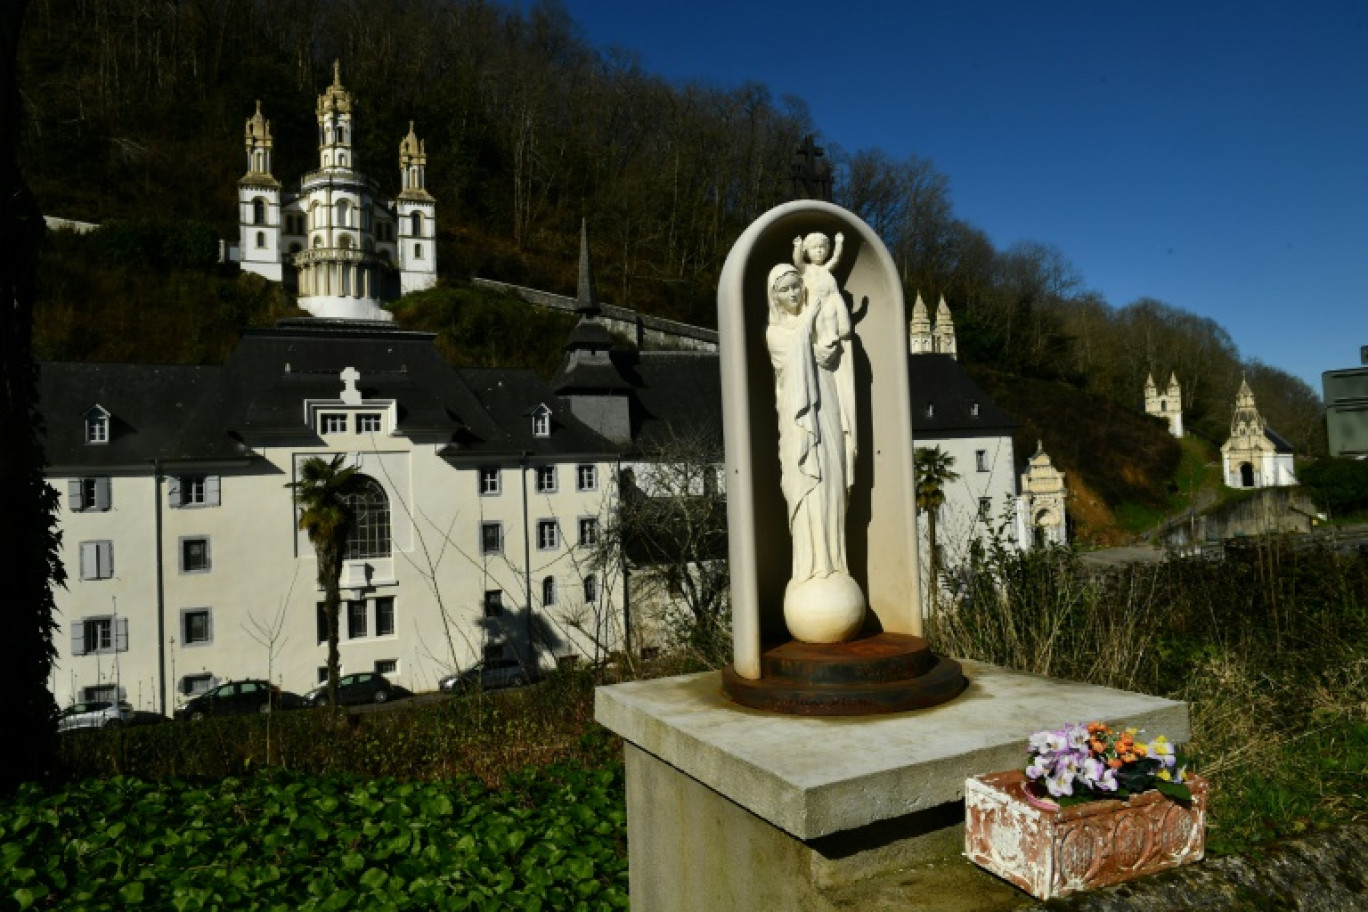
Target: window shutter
point(211, 490)
point(89, 560)
point(209, 626)
point(121, 634)
point(74, 499)
point(104, 552)
point(173, 491)
point(78, 638)
point(102, 493)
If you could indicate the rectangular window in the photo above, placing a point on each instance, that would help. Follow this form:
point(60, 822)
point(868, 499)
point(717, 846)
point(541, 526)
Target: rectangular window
point(97, 429)
point(322, 619)
point(548, 534)
point(97, 560)
point(384, 616)
point(491, 481)
point(985, 508)
point(491, 538)
point(493, 603)
point(368, 423)
point(332, 424)
point(192, 685)
point(101, 693)
point(323, 674)
point(86, 494)
point(99, 634)
point(193, 490)
point(194, 555)
point(591, 592)
point(588, 531)
point(386, 666)
point(546, 479)
point(541, 422)
point(356, 620)
point(586, 478)
point(196, 627)
point(981, 460)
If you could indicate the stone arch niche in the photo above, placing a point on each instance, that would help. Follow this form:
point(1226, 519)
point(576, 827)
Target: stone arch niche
point(881, 521)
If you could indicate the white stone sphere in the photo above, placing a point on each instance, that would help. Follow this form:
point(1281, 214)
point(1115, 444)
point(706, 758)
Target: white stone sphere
point(824, 609)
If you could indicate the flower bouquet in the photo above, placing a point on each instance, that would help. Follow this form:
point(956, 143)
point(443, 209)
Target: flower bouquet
point(1081, 763)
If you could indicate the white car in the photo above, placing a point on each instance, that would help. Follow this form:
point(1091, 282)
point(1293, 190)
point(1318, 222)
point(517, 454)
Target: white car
point(94, 714)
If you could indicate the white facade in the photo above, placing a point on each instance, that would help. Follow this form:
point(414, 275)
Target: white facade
point(343, 244)
point(1167, 405)
point(1254, 456)
point(180, 567)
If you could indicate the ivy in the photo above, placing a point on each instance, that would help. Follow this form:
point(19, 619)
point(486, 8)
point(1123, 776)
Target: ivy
point(554, 839)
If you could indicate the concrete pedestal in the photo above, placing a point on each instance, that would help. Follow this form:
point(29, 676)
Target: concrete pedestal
point(733, 808)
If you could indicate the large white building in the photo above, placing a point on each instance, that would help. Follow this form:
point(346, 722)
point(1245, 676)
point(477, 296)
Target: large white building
point(476, 536)
point(334, 237)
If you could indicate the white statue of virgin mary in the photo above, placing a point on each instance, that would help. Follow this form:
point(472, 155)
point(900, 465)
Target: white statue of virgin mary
point(812, 365)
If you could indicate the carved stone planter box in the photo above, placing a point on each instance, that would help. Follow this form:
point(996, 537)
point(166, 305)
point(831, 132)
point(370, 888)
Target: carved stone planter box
point(1052, 852)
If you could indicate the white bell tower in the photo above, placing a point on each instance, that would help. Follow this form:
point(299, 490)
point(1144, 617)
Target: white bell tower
point(259, 203)
point(417, 218)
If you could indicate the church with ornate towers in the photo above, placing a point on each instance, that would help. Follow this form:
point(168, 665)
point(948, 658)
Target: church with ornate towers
point(336, 240)
point(1255, 456)
point(923, 338)
point(1167, 405)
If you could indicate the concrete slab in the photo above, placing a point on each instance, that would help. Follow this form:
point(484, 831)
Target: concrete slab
point(812, 777)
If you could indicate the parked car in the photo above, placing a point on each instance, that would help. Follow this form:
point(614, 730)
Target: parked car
point(361, 687)
point(490, 675)
point(94, 714)
point(235, 698)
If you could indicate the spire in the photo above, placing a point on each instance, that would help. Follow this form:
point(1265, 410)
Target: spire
point(1246, 421)
point(919, 338)
point(413, 167)
point(945, 331)
point(1150, 388)
point(586, 297)
point(335, 124)
point(1173, 386)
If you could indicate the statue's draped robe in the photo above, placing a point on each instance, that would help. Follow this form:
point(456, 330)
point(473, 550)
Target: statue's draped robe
point(812, 448)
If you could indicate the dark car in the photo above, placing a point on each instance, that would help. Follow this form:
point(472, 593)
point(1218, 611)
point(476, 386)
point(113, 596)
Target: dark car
point(235, 698)
point(489, 675)
point(361, 687)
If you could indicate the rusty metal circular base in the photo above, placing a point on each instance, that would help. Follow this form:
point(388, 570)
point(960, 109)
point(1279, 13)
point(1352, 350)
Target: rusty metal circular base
point(884, 673)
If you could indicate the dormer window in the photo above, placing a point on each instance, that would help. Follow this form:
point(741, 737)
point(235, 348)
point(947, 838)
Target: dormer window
point(541, 421)
point(97, 425)
point(973, 409)
point(332, 423)
point(930, 410)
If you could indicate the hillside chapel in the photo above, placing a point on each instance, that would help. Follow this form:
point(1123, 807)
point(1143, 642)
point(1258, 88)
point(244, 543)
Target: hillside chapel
point(333, 237)
point(1255, 456)
point(486, 490)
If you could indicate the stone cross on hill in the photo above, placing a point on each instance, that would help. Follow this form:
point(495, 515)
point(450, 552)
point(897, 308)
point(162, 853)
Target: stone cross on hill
point(810, 172)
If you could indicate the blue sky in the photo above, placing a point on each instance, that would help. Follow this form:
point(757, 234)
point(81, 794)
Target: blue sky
point(1211, 155)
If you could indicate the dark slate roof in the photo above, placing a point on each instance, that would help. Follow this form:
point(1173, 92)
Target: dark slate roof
point(940, 383)
point(217, 412)
point(503, 425)
point(673, 394)
point(153, 412)
point(1279, 442)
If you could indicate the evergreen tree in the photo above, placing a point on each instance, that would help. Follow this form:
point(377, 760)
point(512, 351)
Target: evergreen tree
point(27, 502)
point(935, 469)
point(323, 494)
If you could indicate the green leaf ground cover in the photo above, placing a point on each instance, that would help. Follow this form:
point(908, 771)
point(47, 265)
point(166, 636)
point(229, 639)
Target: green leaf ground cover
point(553, 838)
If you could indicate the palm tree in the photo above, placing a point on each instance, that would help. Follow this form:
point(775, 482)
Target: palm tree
point(325, 513)
point(935, 469)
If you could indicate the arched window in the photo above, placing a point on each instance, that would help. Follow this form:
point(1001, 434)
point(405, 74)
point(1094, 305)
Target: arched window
point(549, 591)
point(343, 214)
point(261, 239)
point(258, 211)
point(591, 592)
point(344, 241)
point(370, 533)
point(417, 220)
point(318, 240)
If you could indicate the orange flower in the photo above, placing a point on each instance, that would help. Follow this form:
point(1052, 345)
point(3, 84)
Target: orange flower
point(1114, 764)
point(1097, 746)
